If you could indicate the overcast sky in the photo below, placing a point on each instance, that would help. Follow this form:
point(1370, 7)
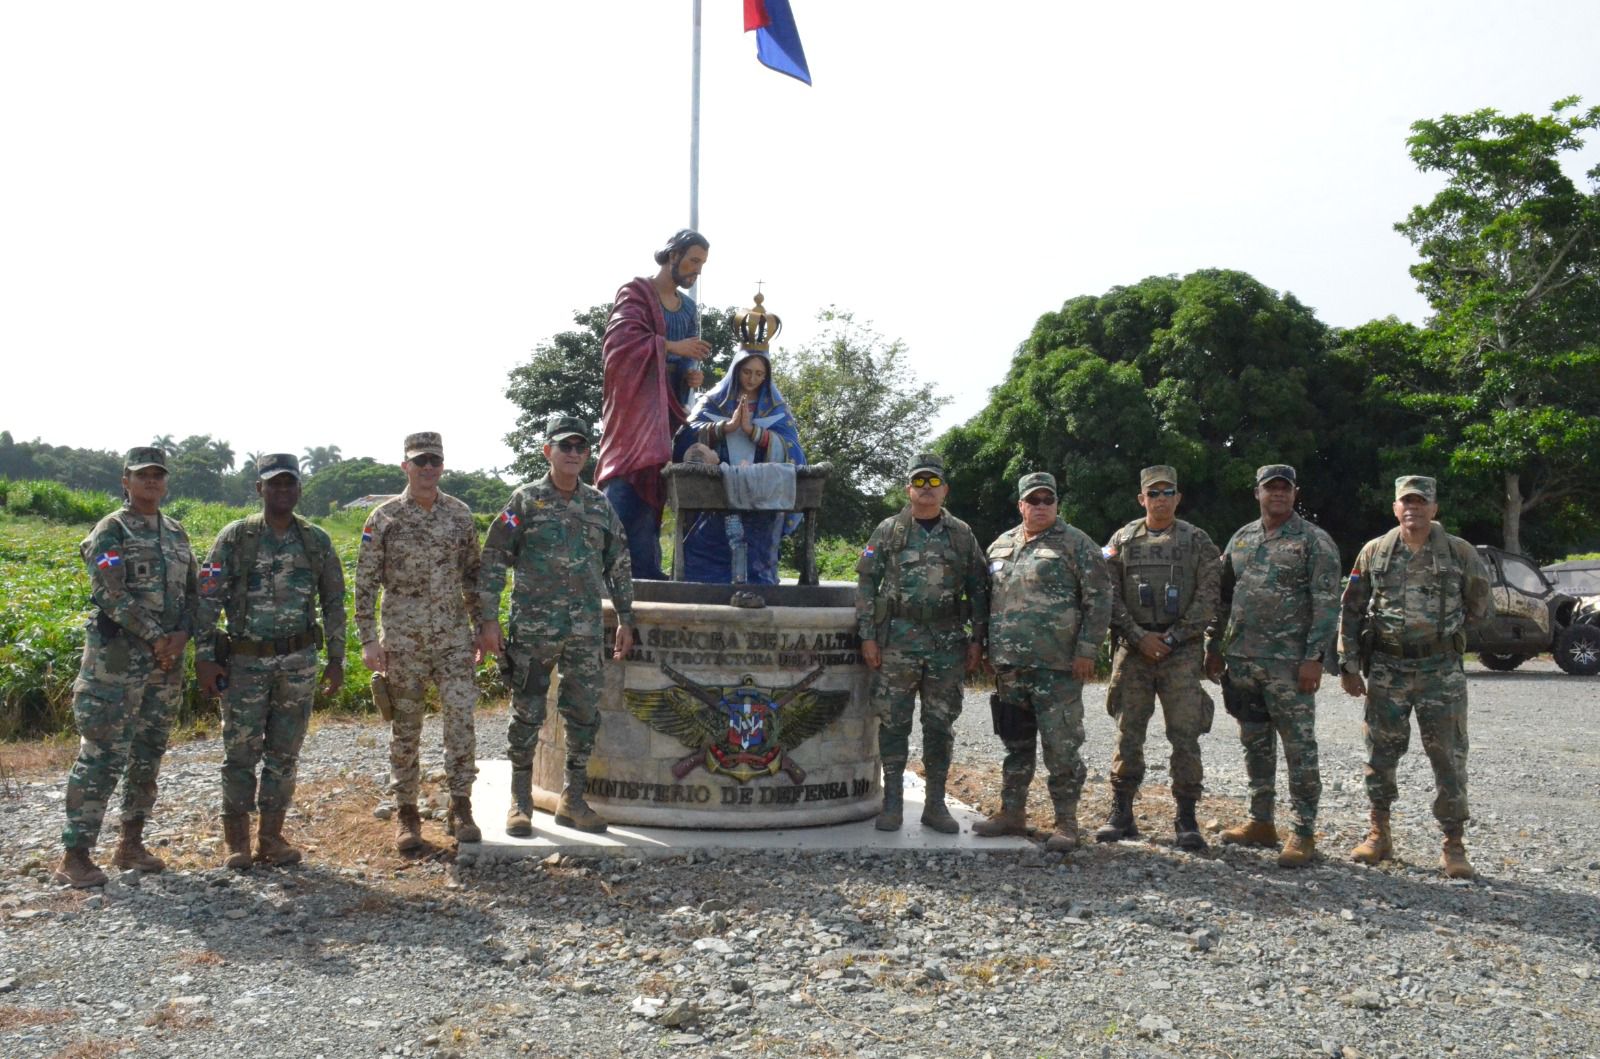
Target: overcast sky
point(322, 223)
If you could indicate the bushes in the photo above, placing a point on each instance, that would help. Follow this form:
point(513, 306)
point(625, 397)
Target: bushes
point(54, 501)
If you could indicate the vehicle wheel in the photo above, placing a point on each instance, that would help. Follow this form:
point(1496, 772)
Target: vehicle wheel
point(1501, 663)
point(1578, 650)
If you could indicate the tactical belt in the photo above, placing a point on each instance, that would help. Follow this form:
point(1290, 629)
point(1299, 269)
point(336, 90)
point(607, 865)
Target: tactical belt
point(1413, 650)
point(925, 614)
point(286, 645)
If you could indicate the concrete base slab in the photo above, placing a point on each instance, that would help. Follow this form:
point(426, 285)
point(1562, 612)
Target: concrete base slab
point(491, 797)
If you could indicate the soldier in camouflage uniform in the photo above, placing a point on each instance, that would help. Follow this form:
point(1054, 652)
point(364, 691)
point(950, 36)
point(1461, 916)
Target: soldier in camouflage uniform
point(142, 580)
point(1280, 578)
point(1049, 605)
point(920, 584)
point(267, 574)
point(1164, 575)
point(1404, 625)
point(421, 549)
point(567, 546)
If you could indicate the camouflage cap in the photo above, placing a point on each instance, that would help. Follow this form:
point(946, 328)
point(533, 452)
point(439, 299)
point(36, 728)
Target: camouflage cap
point(1418, 485)
point(927, 463)
point(425, 442)
point(1159, 473)
point(276, 463)
point(145, 456)
point(1275, 470)
point(561, 426)
point(1035, 480)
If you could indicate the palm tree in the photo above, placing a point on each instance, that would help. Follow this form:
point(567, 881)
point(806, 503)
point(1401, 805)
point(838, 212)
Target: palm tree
point(164, 442)
point(318, 457)
point(224, 454)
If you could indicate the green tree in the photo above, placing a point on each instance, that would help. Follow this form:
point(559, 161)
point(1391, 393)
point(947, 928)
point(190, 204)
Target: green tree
point(318, 458)
point(860, 406)
point(339, 483)
point(565, 374)
point(1510, 264)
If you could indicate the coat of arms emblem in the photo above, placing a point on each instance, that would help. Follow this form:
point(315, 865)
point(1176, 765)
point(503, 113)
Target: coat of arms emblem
point(740, 731)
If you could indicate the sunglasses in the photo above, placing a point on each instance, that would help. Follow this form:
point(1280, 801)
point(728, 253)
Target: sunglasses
point(1153, 493)
point(1039, 500)
point(572, 445)
point(930, 481)
point(426, 460)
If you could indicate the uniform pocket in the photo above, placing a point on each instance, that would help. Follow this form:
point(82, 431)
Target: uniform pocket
point(99, 710)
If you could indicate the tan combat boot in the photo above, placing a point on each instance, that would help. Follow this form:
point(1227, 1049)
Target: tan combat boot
point(892, 812)
point(78, 871)
point(236, 835)
point(1012, 819)
point(1064, 838)
point(1297, 851)
point(573, 811)
point(130, 851)
point(1378, 846)
point(519, 818)
point(270, 845)
point(407, 829)
point(1453, 860)
point(1251, 833)
point(935, 814)
point(460, 822)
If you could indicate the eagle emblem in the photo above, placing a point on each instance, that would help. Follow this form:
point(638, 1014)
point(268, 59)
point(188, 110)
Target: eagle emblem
point(740, 731)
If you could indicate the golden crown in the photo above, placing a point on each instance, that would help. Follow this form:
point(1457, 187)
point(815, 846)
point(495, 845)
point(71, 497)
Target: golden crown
point(756, 327)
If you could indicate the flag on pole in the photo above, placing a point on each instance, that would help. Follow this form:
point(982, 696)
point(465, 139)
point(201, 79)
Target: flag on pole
point(777, 40)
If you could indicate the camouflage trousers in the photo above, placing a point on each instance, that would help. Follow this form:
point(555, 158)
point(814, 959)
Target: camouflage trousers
point(1185, 706)
point(410, 673)
point(1057, 703)
point(123, 706)
point(265, 712)
point(1436, 690)
point(936, 677)
point(578, 701)
point(1292, 718)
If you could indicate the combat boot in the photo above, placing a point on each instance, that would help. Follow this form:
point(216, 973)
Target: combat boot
point(889, 816)
point(573, 811)
point(78, 871)
point(461, 824)
point(130, 851)
point(407, 829)
point(935, 814)
point(1252, 833)
point(1012, 819)
point(1186, 829)
point(1121, 823)
point(1379, 843)
point(1453, 860)
point(271, 848)
point(1064, 838)
point(1297, 851)
point(236, 835)
point(519, 818)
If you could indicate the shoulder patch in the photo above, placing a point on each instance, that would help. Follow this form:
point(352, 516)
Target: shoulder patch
point(868, 552)
point(366, 533)
point(1110, 550)
point(510, 518)
point(107, 559)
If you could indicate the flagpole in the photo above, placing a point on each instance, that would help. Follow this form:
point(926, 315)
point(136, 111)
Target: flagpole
point(694, 128)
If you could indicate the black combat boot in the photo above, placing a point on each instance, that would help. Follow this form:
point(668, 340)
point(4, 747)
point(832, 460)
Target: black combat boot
point(1186, 828)
point(889, 817)
point(1121, 823)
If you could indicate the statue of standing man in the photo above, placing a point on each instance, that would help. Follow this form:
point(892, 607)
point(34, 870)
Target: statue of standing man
point(651, 354)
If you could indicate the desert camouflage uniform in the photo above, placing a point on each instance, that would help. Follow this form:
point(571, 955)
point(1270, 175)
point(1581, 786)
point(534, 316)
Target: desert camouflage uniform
point(1049, 603)
point(1181, 559)
point(266, 706)
point(565, 554)
point(1418, 603)
point(426, 563)
point(919, 620)
point(142, 579)
point(1280, 595)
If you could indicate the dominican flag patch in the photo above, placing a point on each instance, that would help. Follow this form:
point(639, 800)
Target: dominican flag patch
point(210, 578)
point(510, 518)
point(1108, 552)
point(868, 552)
point(366, 534)
point(106, 560)
point(1355, 575)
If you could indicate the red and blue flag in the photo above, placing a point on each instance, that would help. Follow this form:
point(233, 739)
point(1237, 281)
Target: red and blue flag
point(777, 40)
point(510, 518)
point(106, 560)
point(366, 534)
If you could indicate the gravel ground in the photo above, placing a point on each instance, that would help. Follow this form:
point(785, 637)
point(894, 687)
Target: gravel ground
point(1134, 949)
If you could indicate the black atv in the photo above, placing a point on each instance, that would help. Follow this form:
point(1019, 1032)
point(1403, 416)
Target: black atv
point(1531, 617)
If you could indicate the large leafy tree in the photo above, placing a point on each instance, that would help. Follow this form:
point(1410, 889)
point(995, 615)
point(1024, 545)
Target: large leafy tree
point(1212, 373)
point(860, 406)
point(565, 374)
point(1510, 264)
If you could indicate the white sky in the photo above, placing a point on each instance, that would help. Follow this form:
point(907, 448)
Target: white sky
point(299, 224)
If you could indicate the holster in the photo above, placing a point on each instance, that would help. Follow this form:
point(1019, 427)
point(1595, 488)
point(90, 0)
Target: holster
point(108, 629)
point(507, 666)
point(1364, 644)
point(381, 697)
point(222, 648)
point(1247, 707)
point(1012, 721)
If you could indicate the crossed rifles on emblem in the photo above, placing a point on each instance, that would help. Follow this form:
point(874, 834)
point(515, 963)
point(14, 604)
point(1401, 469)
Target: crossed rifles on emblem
point(740, 731)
